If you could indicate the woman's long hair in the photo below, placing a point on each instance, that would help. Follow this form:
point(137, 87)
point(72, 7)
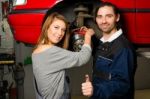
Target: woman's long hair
point(43, 38)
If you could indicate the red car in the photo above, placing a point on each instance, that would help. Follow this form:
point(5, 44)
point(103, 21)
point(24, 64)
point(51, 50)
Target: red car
point(26, 17)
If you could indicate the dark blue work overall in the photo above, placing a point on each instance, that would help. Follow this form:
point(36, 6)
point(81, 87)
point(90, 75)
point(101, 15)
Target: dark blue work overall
point(114, 69)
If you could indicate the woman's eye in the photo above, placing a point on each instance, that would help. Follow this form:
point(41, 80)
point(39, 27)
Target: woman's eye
point(64, 30)
point(56, 27)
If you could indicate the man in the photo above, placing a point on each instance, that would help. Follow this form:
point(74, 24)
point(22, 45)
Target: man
point(114, 61)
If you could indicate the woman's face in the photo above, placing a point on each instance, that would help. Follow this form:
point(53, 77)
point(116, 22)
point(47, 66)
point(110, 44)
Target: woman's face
point(56, 31)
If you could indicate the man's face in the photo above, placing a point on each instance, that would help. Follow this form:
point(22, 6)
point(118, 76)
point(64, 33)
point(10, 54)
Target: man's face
point(106, 19)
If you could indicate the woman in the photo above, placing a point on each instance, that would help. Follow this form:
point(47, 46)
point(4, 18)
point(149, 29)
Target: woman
point(50, 57)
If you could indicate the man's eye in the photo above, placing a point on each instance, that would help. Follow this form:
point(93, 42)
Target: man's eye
point(99, 16)
point(109, 16)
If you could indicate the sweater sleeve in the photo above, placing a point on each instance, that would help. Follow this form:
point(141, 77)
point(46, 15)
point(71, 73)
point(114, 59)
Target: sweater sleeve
point(57, 59)
point(121, 76)
point(80, 58)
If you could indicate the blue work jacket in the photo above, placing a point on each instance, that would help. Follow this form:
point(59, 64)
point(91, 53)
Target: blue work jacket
point(114, 69)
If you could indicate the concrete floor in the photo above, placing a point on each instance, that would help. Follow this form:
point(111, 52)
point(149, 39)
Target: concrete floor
point(142, 94)
point(139, 94)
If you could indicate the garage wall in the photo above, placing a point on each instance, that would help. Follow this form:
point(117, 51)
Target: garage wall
point(142, 77)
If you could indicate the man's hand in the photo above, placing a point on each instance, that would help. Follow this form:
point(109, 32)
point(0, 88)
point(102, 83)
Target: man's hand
point(87, 88)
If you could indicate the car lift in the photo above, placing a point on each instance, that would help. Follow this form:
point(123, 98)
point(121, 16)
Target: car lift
point(7, 60)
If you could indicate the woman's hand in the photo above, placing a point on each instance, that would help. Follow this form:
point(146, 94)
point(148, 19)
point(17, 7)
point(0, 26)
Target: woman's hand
point(88, 31)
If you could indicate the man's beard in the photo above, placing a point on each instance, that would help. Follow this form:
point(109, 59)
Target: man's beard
point(108, 30)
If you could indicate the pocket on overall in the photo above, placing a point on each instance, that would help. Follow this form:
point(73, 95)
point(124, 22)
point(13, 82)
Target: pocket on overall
point(103, 64)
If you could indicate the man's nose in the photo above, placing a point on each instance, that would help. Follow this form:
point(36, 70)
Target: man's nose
point(103, 20)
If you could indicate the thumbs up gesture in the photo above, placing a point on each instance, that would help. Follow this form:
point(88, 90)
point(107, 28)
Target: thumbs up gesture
point(87, 88)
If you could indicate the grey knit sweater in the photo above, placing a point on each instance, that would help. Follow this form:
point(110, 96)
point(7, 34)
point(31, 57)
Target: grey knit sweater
point(49, 69)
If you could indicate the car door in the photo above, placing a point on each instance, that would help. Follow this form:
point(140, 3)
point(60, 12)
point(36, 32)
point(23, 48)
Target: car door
point(142, 21)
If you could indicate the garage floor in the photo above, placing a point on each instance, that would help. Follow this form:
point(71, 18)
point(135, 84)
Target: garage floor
point(139, 94)
point(142, 94)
